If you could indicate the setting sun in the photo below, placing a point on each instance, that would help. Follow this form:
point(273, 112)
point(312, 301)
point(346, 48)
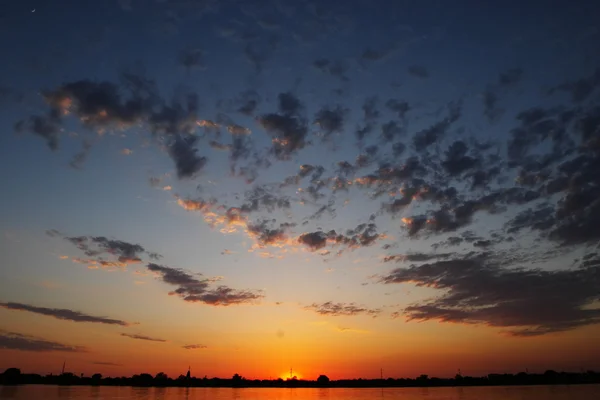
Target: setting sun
point(290, 375)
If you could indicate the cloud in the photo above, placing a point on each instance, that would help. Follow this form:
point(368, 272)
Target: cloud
point(416, 257)
point(524, 302)
point(363, 235)
point(370, 110)
point(107, 364)
point(18, 341)
point(341, 309)
point(510, 77)
point(195, 346)
point(247, 102)
point(126, 253)
point(287, 128)
point(426, 137)
point(142, 337)
point(419, 71)
point(64, 314)
point(192, 59)
point(399, 107)
point(193, 288)
point(580, 89)
point(106, 106)
point(187, 162)
point(79, 158)
point(335, 68)
point(331, 120)
point(457, 161)
point(46, 127)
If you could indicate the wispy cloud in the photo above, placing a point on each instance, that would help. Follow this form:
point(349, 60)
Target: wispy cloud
point(342, 309)
point(142, 337)
point(194, 288)
point(64, 314)
point(526, 302)
point(18, 341)
point(195, 346)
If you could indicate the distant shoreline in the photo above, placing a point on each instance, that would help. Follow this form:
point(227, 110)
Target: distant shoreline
point(304, 386)
point(13, 376)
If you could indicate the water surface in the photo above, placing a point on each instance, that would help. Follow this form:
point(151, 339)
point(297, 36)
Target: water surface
point(41, 392)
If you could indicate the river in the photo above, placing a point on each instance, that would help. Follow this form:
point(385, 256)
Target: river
point(42, 392)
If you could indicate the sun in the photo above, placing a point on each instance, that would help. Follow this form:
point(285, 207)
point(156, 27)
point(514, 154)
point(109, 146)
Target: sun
point(294, 374)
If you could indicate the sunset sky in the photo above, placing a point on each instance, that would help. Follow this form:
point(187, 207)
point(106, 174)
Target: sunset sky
point(334, 186)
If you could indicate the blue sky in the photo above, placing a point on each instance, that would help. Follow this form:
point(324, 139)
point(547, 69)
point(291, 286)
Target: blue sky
point(415, 161)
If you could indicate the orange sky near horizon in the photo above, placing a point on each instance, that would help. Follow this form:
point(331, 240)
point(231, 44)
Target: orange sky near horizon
point(311, 346)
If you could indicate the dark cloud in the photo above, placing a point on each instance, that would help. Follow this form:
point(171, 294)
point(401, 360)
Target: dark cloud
point(288, 129)
point(46, 127)
point(425, 138)
point(371, 55)
point(262, 198)
point(18, 341)
point(192, 59)
point(335, 68)
point(107, 364)
point(449, 219)
point(419, 71)
point(401, 108)
point(289, 103)
point(580, 89)
point(525, 302)
point(142, 337)
point(370, 110)
point(331, 120)
point(490, 105)
point(187, 162)
point(387, 177)
point(266, 236)
point(363, 235)
point(194, 288)
point(64, 314)
point(391, 130)
point(105, 106)
point(541, 218)
point(313, 240)
point(341, 309)
point(510, 77)
point(79, 158)
point(364, 131)
point(416, 257)
point(258, 52)
point(194, 346)
point(457, 161)
point(247, 102)
point(125, 252)
point(100, 104)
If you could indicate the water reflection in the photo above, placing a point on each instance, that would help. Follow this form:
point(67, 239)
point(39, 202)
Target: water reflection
point(34, 392)
point(8, 392)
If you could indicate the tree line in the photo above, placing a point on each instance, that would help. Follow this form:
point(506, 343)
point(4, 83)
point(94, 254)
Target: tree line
point(14, 376)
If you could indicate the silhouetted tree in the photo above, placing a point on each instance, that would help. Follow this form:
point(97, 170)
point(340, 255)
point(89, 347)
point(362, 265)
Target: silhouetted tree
point(161, 376)
point(11, 376)
point(323, 379)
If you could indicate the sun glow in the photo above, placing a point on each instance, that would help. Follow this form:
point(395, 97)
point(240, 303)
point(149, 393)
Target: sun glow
point(290, 374)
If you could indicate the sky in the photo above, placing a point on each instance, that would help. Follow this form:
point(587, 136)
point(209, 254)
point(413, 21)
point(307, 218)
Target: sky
point(337, 187)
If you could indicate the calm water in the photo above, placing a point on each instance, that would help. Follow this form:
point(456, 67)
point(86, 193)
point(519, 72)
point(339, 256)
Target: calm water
point(33, 392)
